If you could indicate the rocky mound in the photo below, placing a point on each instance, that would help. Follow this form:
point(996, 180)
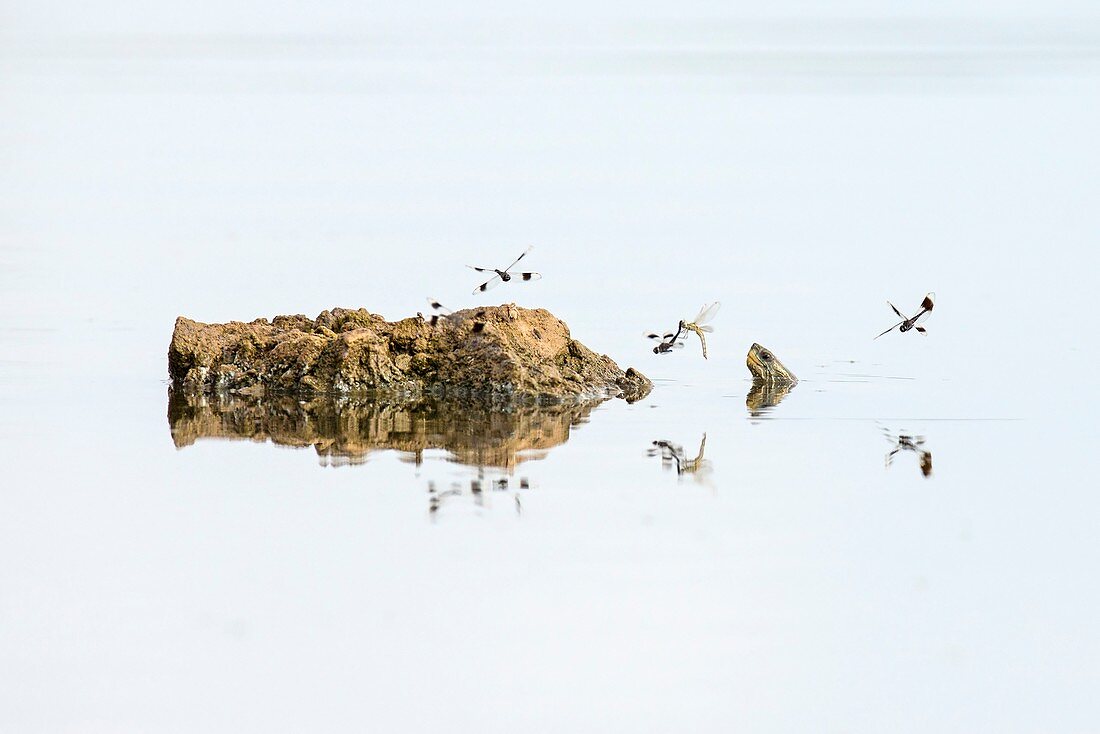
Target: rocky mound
point(498, 352)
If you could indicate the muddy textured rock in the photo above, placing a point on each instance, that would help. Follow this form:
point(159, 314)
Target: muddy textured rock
point(500, 352)
point(347, 430)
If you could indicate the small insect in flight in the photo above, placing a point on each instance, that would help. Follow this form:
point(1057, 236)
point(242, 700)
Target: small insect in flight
point(441, 311)
point(700, 324)
point(503, 276)
point(914, 321)
point(668, 342)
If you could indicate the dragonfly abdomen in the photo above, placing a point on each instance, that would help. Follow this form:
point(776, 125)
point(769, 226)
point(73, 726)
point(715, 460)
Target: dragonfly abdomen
point(702, 338)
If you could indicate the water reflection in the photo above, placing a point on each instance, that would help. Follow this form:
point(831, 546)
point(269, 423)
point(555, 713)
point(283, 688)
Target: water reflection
point(476, 494)
point(904, 442)
point(672, 455)
point(763, 396)
point(347, 431)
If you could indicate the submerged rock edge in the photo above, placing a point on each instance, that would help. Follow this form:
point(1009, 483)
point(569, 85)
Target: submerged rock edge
point(501, 354)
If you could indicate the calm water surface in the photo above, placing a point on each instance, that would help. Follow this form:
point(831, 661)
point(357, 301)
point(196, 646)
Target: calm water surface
point(240, 565)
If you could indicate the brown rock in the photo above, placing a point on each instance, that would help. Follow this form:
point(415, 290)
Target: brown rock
point(503, 353)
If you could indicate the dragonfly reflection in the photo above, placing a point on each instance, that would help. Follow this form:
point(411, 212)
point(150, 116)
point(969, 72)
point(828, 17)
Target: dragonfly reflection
point(673, 455)
point(476, 493)
point(905, 442)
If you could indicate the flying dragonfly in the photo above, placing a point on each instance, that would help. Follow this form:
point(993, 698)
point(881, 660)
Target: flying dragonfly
point(444, 313)
point(441, 311)
point(503, 276)
point(670, 341)
point(914, 321)
point(700, 325)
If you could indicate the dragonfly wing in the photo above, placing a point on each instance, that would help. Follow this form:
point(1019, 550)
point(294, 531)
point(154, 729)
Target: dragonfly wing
point(481, 270)
point(516, 262)
point(436, 305)
point(707, 313)
point(487, 285)
point(899, 313)
point(528, 276)
point(921, 317)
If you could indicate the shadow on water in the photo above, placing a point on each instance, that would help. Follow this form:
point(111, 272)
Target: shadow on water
point(347, 431)
point(763, 396)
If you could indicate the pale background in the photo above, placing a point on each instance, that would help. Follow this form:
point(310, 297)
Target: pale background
point(800, 162)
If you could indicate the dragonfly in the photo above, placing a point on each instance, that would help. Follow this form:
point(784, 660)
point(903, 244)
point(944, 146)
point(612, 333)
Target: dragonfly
point(503, 276)
point(440, 311)
point(443, 313)
point(700, 325)
point(914, 321)
point(669, 341)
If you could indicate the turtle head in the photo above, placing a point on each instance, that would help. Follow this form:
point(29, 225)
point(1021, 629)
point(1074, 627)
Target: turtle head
point(766, 367)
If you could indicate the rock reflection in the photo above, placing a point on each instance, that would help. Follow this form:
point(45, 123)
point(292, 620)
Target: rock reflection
point(344, 431)
point(672, 455)
point(904, 442)
point(763, 396)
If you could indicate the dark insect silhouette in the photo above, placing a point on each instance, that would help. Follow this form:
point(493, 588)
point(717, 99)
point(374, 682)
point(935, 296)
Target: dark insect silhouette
point(914, 321)
point(505, 275)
